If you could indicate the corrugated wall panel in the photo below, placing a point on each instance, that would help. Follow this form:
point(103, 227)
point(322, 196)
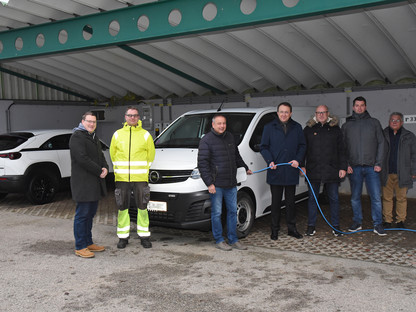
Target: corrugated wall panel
point(12, 87)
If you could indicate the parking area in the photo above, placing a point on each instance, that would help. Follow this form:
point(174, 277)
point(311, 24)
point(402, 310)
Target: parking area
point(397, 248)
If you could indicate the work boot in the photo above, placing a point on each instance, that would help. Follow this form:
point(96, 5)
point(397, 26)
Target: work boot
point(146, 243)
point(95, 248)
point(122, 243)
point(84, 253)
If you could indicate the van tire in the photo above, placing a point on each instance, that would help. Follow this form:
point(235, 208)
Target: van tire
point(42, 187)
point(245, 214)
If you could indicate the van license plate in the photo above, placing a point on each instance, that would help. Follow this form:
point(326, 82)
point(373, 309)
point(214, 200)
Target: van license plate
point(157, 206)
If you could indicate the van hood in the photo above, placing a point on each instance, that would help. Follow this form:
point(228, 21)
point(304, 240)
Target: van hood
point(175, 159)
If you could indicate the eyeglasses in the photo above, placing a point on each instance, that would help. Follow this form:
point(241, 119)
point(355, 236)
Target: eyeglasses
point(132, 115)
point(90, 121)
point(395, 120)
point(321, 113)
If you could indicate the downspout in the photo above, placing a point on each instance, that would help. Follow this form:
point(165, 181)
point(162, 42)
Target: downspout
point(8, 119)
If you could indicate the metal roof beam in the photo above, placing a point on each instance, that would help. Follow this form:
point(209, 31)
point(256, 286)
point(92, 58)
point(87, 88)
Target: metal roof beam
point(162, 19)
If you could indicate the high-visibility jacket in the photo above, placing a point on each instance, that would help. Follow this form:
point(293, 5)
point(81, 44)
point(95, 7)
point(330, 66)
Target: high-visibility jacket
point(132, 152)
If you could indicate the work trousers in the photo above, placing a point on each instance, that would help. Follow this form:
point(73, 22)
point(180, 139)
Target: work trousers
point(132, 194)
point(392, 187)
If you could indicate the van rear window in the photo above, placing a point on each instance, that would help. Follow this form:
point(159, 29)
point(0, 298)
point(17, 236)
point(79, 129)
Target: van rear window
point(187, 131)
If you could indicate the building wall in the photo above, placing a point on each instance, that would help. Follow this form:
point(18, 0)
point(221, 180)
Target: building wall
point(380, 104)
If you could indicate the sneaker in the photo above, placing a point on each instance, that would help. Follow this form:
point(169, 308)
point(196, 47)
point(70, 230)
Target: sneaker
point(387, 225)
point(223, 246)
point(337, 233)
point(84, 253)
point(122, 243)
point(146, 243)
point(378, 229)
point(310, 231)
point(239, 246)
point(400, 225)
point(95, 248)
point(355, 227)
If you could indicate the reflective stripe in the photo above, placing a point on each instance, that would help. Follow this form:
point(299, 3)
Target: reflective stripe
point(131, 163)
point(126, 228)
point(141, 228)
point(141, 234)
point(123, 235)
point(146, 135)
point(137, 171)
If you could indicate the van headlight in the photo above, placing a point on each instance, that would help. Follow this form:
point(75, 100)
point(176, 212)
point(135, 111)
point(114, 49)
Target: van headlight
point(195, 174)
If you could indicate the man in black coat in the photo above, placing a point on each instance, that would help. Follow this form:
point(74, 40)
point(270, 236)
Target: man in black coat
point(218, 160)
point(325, 164)
point(88, 170)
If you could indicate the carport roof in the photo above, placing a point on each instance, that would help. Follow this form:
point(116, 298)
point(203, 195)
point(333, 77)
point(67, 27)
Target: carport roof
point(288, 45)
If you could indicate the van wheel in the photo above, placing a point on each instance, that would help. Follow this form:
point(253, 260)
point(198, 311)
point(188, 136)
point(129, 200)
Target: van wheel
point(42, 187)
point(245, 214)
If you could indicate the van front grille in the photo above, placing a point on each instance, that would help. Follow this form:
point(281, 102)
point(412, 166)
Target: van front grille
point(168, 176)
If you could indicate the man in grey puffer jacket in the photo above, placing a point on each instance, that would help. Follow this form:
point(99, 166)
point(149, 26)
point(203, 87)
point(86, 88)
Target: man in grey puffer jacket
point(364, 142)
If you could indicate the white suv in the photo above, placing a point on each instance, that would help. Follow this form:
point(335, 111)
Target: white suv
point(35, 162)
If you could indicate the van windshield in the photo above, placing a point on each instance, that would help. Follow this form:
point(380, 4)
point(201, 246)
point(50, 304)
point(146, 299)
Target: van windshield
point(187, 131)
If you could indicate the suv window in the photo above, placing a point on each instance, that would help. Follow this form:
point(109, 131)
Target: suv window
point(258, 132)
point(13, 140)
point(188, 130)
point(59, 142)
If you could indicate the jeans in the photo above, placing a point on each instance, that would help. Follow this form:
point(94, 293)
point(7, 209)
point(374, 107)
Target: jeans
point(373, 185)
point(230, 197)
point(332, 193)
point(84, 214)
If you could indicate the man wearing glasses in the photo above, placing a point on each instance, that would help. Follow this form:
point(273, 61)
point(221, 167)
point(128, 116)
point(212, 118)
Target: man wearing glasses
point(325, 164)
point(399, 169)
point(283, 142)
point(364, 142)
point(132, 152)
point(88, 170)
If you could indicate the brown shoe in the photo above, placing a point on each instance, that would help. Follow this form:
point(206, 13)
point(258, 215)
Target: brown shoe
point(84, 253)
point(95, 248)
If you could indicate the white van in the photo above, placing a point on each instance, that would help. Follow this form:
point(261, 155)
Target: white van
point(179, 198)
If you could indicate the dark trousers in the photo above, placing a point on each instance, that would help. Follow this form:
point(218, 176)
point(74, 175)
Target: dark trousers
point(84, 215)
point(277, 192)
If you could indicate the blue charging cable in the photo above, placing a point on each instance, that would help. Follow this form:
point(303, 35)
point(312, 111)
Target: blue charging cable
point(319, 207)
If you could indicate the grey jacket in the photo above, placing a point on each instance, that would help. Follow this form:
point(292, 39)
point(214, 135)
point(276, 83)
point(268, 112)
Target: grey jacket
point(364, 140)
point(406, 158)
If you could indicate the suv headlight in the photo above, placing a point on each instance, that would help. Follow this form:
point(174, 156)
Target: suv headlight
point(195, 174)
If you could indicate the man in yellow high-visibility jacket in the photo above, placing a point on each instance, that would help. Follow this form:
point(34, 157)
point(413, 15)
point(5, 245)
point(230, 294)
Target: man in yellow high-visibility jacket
point(132, 151)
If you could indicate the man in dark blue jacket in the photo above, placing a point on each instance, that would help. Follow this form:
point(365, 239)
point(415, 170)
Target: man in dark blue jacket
point(283, 142)
point(218, 160)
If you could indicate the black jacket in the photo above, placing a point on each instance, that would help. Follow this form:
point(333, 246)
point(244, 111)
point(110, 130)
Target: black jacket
point(406, 158)
point(87, 161)
point(218, 159)
point(325, 151)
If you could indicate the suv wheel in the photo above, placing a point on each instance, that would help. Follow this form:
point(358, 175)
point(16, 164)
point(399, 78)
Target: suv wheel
point(245, 214)
point(42, 187)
